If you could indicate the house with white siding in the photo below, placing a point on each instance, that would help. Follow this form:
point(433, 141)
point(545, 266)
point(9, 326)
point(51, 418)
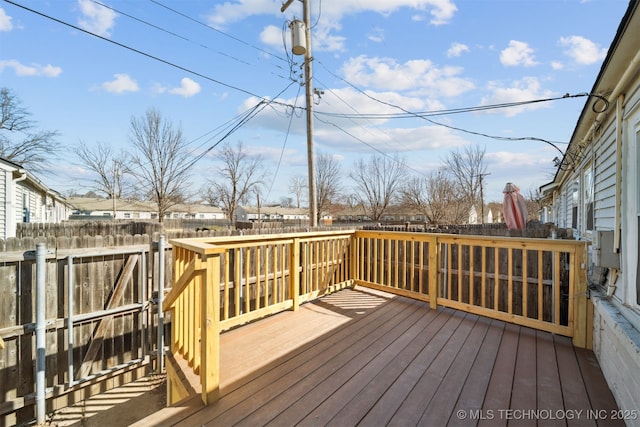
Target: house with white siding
point(596, 193)
point(270, 213)
point(94, 208)
point(23, 198)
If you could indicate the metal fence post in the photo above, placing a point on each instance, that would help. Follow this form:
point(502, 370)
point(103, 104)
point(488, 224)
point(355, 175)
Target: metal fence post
point(41, 265)
point(160, 361)
point(70, 344)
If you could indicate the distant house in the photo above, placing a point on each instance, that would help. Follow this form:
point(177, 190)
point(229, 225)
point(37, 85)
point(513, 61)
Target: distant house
point(595, 192)
point(270, 213)
point(474, 218)
point(23, 198)
point(96, 208)
point(350, 214)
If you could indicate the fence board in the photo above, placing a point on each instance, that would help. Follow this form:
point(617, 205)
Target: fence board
point(95, 270)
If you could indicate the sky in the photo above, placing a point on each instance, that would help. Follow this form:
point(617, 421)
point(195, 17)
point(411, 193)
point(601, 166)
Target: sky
point(85, 68)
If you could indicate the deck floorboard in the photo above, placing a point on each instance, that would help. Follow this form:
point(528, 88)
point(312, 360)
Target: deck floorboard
point(359, 357)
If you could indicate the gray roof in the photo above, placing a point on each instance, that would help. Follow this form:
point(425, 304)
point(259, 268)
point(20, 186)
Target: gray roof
point(97, 204)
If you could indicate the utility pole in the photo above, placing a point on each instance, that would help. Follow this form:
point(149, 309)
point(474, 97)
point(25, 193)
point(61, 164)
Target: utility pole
point(306, 12)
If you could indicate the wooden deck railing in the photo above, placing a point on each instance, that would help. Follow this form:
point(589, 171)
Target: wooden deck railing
point(538, 283)
point(220, 283)
point(223, 282)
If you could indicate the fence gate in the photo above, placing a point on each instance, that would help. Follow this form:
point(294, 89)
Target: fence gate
point(70, 319)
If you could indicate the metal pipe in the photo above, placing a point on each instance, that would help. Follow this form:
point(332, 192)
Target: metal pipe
point(41, 250)
point(70, 319)
point(160, 361)
point(143, 299)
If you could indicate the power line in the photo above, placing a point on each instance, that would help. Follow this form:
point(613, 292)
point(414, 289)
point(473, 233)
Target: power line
point(284, 144)
point(374, 148)
point(164, 30)
point(217, 30)
point(250, 114)
point(366, 129)
point(148, 55)
point(424, 115)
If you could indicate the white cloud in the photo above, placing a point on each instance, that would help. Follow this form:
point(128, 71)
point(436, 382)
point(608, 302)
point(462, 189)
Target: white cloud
point(557, 65)
point(187, 88)
point(121, 84)
point(233, 11)
point(526, 89)
point(457, 49)
point(272, 36)
point(583, 51)
point(95, 18)
point(376, 35)
point(5, 21)
point(522, 158)
point(518, 53)
point(348, 135)
point(324, 36)
point(31, 70)
point(418, 76)
point(441, 11)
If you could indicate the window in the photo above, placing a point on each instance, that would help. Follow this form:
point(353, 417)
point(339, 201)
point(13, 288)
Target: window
point(575, 195)
point(588, 200)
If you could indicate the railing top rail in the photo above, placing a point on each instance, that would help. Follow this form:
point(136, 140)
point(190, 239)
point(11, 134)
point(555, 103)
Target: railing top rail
point(508, 242)
point(197, 245)
point(213, 245)
point(206, 245)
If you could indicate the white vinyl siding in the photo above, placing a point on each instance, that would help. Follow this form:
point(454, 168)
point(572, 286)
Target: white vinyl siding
point(605, 179)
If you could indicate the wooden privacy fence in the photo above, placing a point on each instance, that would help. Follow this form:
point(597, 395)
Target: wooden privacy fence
point(224, 282)
point(98, 317)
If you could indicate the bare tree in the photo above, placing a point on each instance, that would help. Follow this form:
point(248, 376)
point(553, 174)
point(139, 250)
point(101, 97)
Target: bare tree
point(328, 173)
point(534, 203)
point(108, 166)
point(297, 187)
point(377, 183)
point(286, 202)
point(20, 141)
point(437, 197)
point(240, 175)
point(468, 169)
point(160, 160)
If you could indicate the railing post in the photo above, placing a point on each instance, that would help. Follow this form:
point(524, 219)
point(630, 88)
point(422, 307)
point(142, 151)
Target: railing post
point(353, 262)
point(582, 321)
point(434, 259)
point(294, 274)
point(41, 354)
point(210, 331)
point(160, 360)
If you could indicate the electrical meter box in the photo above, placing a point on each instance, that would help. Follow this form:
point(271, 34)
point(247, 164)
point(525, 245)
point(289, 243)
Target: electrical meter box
point(605, 256)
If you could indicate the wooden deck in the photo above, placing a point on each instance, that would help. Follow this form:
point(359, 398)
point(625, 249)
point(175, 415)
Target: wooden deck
point(359, 357)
